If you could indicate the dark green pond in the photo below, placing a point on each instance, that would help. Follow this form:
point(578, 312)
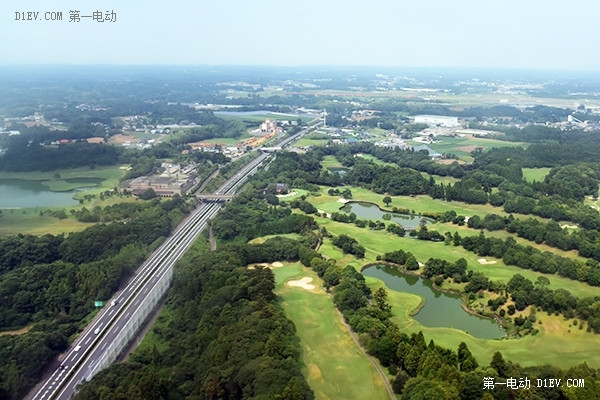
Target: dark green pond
point(341, 171)
point(441, 309)
point(365, 210)
point(18, 193)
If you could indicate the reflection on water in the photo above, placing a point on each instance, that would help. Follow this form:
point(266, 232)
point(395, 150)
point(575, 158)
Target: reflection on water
point(365, 210)
point(441, 309)
point(19, 193)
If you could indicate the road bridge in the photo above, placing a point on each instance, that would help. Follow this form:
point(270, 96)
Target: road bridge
point(214, 197)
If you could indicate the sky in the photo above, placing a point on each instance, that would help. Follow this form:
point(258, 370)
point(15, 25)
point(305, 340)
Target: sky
point(532, 34)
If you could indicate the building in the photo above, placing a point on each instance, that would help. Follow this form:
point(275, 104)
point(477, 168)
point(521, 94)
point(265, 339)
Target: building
point(163, 186)
point(270, 126)
point(437, 120)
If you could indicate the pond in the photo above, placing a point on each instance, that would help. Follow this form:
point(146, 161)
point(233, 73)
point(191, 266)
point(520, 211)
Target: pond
point(365, 210)
point(440, 309)
point(341, 171)
point(19, 193)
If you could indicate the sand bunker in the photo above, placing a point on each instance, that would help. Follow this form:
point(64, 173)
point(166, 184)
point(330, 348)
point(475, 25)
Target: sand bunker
point(484, 261)
point(304, 283)
point(342, 200)
point(275, 264)
point(328, 215)
point(569, 226)
point(281, 196)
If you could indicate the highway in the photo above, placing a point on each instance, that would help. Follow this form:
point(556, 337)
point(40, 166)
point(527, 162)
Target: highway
point(119, 317)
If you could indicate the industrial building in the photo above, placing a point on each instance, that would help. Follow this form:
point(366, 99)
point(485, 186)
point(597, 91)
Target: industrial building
point(437, 120)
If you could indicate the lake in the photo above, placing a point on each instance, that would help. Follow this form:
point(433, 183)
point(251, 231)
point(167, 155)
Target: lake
point(365, 210)
point(440, 309)
point(19, 193)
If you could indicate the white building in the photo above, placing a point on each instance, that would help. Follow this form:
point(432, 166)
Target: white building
point(437, 120)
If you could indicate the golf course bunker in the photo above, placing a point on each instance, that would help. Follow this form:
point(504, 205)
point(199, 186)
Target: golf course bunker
point(275, 264)
point(304, 283)
point(483, 261)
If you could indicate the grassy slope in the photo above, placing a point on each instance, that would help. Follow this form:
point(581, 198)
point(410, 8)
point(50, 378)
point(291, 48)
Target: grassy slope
point(348, 374)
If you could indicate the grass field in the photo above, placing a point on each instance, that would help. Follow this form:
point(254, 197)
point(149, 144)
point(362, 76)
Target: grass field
point(535, 174)
point(460, 146)
point(556, 344)
point(419, 204)
point(110, 177)
point(380, 242)
point(29, 221)
point(331, 162)
point(312, 139)
point(166, 314)
point(333, 365)
point(263, 239)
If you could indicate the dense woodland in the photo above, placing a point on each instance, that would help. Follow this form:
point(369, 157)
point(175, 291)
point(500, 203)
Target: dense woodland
point(49, 284)
point(228, 338)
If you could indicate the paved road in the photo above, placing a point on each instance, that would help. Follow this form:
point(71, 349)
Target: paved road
point(88, 353)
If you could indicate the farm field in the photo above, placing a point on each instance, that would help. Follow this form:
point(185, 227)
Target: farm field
point(348, 375)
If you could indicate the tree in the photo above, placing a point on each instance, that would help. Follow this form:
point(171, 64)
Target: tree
point(499, 364)
point(148, 194)
point(387, 200)
point(380, 298)
point(411, 263)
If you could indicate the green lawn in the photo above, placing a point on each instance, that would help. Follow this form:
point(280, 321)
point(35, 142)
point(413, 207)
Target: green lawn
point(419, 204)
point(312, 139)
point(29, 221)
point(457, 145)
point(441, 179)
point(379, 242)
point(331, 162)
point(263, 239)
point(333, 365)
point(554, 344)
point(535, 174)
